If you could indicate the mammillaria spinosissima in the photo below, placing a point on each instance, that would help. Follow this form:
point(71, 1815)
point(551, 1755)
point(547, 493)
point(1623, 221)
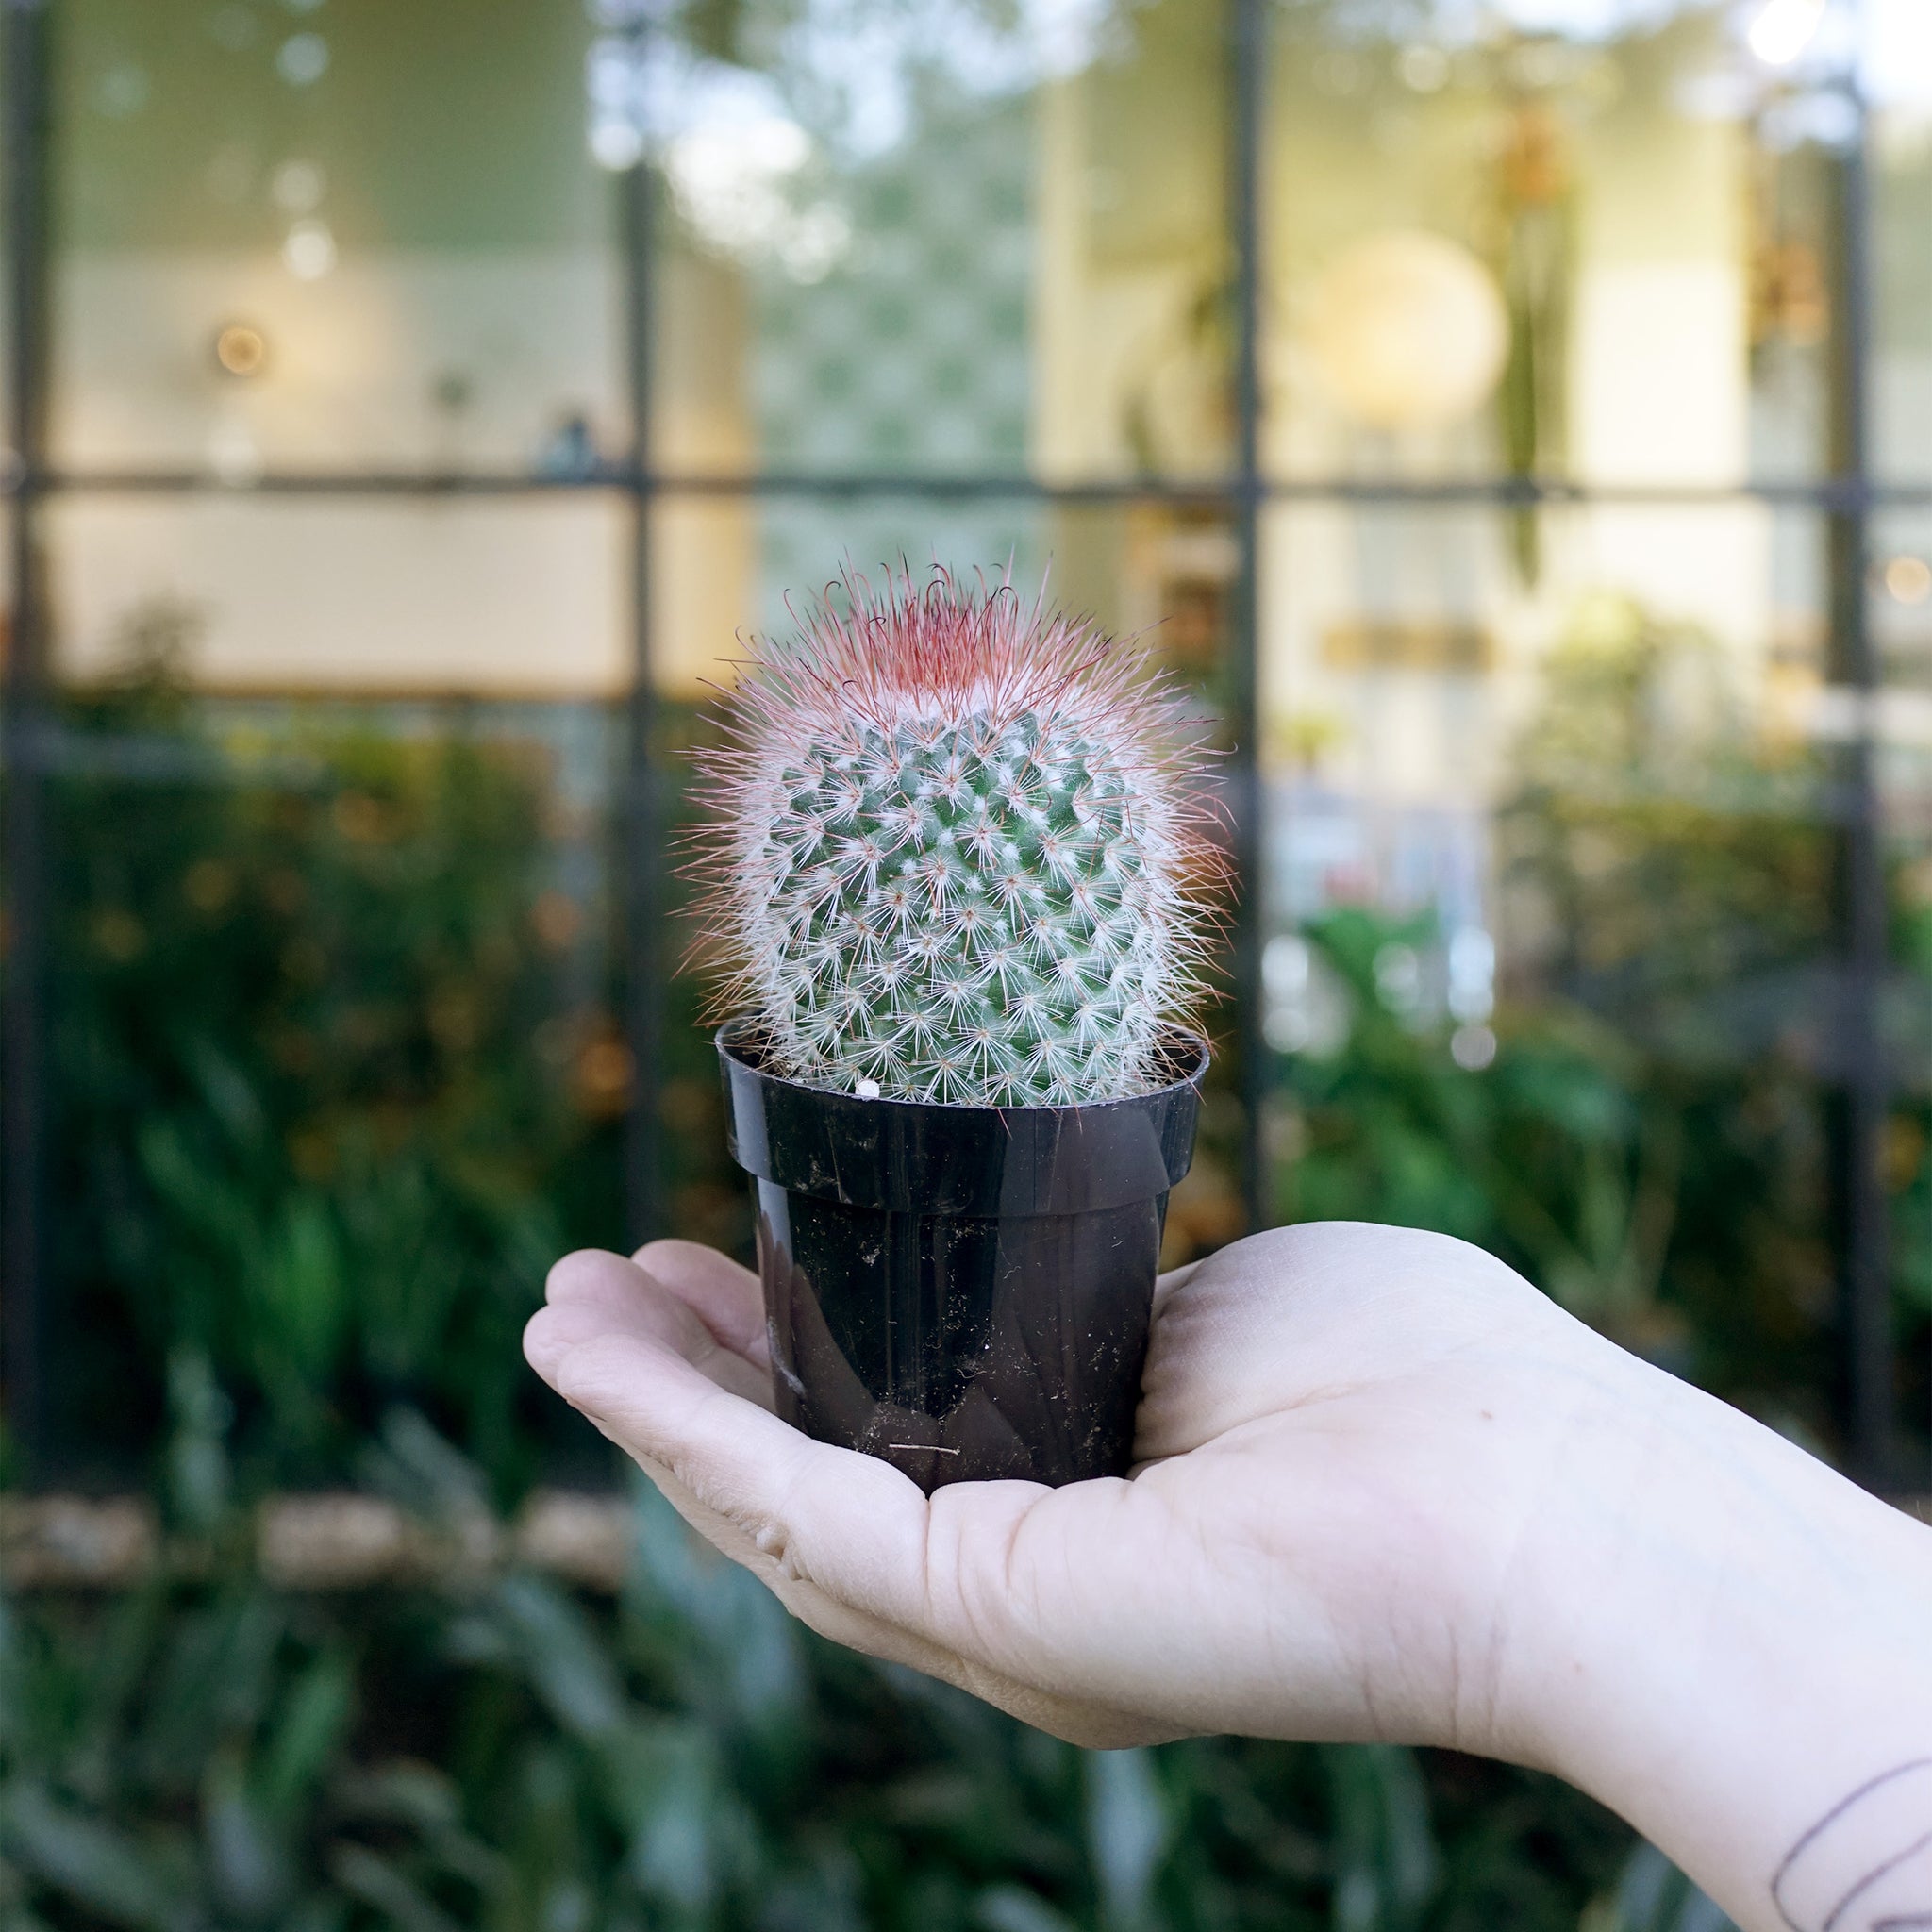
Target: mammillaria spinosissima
point(958, 851)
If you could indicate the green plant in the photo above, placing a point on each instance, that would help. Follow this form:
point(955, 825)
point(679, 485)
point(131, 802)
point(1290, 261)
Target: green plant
point(337, 1076)
point(1649, 1142)
point(956, 855)
point(213, 1754)
point(1556, 1155)
point(329, 1058)
point(1652, 1896)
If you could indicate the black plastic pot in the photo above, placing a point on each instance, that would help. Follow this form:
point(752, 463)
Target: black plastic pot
point(962, 1291)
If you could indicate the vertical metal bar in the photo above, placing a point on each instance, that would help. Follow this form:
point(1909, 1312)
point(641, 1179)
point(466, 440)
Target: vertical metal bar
point(1862, 1209)
point(1247, 95)
point(23, 1016)
point(640, 833)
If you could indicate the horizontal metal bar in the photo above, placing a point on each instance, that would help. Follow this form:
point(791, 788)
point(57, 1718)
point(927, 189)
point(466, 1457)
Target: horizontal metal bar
point(157, 757)
point(158, 482)
point(1834, 495)
point(350, 1540)
point(318, 1541)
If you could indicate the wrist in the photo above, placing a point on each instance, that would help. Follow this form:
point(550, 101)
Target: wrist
point(1720, 1637)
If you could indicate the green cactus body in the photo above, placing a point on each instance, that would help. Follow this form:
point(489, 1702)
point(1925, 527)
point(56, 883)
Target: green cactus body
point(961, 875)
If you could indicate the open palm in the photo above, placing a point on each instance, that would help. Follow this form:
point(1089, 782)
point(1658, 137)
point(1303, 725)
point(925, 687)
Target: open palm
point(1350, 1440)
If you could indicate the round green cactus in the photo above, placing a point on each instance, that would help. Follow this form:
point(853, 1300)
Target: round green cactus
point(958, 851)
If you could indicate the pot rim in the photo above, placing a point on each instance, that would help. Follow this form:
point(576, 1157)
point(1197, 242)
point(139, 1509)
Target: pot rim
point(735, 1035)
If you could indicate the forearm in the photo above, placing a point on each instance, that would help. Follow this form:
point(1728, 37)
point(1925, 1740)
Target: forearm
point(1738, 1654)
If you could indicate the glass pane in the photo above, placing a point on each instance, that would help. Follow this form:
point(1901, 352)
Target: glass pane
point(1597, 242)
point(997, 254)
point(336, 1066)
point(1158, 571)
point(1141, 568)
point(21, 1358)
point(1898, 80)
point(725, 566)
point(9, 458)
point(1902, 630)
point(1549, 901)
point(494, 597)
point(363, 237)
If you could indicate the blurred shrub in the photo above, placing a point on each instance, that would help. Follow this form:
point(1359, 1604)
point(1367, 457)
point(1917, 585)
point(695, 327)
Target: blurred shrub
point(504, 1752)
point(336, 1074)
point(1679, 1213)
point(334, 1071)
point(1650, 1142)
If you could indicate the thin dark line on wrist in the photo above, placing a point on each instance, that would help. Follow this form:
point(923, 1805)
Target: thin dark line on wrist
point(1871, 1878)
point(1832, 1817)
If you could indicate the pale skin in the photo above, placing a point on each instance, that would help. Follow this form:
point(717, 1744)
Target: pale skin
point(1386, 1490)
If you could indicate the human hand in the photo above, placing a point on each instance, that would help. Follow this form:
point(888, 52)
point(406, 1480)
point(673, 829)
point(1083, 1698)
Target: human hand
point(1347, 1435)
point(1386, 1490)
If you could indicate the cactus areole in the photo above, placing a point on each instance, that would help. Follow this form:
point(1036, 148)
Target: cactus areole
point(958, 851)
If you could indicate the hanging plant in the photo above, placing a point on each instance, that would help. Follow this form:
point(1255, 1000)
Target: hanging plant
point(1534, 253)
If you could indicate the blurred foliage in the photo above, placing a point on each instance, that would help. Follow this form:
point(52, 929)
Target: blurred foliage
point(1908, 1145)
point(333, 1066)
point(1652, 1896)
point(506, 1752)
point(1679, 1213)
point(337, 1071)
point(1649, 1142)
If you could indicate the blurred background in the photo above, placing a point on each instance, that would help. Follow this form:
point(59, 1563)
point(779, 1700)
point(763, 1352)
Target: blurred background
point(1514, 418)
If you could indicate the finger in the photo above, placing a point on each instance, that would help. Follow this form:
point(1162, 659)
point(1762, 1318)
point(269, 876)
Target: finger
point(609, 1390)
point(835, 1533)
point(594, 1295)
point(1091, 1725)
point(553, 1332)
point(866, 1521)
point(726, 1298)
point(741, 1487)
point(995, 1586)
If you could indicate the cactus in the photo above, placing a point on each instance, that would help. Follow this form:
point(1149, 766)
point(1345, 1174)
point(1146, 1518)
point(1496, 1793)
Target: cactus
point(957, 850)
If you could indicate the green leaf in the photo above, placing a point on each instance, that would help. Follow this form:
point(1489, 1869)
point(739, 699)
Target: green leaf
point(567, 1666)
point(743, 1647)
point(209, 1205)
point(1652, 1896)
point(309, 1729)
point(93, 1864)
point(320, 1912)
point(1127, 1832)
point(298, 1294)
point(197, 1450)
point(422, 1471)
point(247, 1860)
point(403, 1793)
point(1386, 1864)
point(665, 1780)
point(1009, 1908)
point(216, 1676)
point(373, 1879)
point(227, 1091)
point(430, 1803)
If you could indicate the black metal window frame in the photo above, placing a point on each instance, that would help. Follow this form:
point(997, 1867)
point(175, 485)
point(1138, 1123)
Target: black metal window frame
point(1846, 499)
